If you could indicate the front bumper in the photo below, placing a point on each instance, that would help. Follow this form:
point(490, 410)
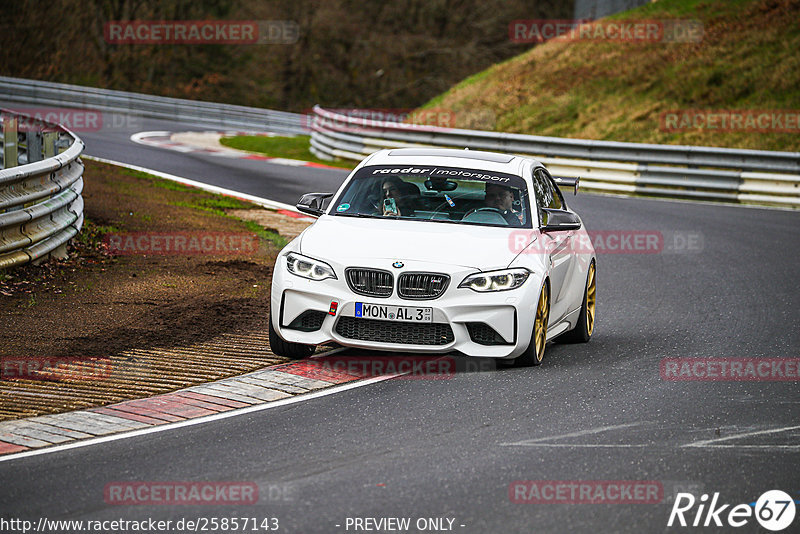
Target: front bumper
point(509, 313)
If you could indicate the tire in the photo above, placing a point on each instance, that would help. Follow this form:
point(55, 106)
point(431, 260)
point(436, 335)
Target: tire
point(583, 330)
point(534, 354)
point(295, 351)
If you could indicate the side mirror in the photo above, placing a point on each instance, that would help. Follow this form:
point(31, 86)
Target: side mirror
point(559, 220)
point(562, 181)
point(311, 203)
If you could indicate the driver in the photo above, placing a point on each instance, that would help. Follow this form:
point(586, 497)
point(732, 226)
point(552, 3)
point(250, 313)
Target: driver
point(501, 198)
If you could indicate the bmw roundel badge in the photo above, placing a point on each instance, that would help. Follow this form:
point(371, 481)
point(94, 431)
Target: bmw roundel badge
point(397, 264)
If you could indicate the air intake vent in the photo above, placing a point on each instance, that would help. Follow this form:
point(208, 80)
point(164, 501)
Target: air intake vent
point(422, 285)
point(483, 334)
point(394, 331)
point(308, 321)
point(370, 282)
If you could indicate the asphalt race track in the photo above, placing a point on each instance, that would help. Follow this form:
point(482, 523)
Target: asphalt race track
point(724, 284)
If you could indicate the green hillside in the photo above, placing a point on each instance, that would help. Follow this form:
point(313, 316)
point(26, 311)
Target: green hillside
point(747, 60)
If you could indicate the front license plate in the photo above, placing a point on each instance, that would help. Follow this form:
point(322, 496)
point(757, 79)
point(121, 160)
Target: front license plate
point(394, 313)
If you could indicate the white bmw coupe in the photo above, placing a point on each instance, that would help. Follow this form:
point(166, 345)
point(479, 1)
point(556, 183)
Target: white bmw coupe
point(435, 251)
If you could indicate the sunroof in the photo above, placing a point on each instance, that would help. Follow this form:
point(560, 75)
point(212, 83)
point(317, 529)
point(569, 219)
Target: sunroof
point(453, 153)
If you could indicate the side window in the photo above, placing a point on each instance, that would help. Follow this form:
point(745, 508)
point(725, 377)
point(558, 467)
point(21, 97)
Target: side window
point(520, 206)
point(544, 194)
point(551, 197)
point(539, 193)
point(558, 199)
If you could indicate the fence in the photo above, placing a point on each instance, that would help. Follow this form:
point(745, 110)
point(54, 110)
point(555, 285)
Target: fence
point(699, 173)
point(41, 207)
point(207, 114)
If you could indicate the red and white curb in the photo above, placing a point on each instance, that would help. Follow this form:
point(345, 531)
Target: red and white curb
point(170, 141)
point(230, 396)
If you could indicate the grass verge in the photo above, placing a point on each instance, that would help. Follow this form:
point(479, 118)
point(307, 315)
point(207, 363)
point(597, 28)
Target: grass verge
point(296, 147)
point(746, 60)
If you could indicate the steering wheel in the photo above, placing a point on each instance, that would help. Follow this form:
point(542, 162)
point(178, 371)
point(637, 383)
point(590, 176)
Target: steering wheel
point(492, 210)
point(498, 211)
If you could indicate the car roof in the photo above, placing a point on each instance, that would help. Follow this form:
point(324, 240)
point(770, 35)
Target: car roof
point(451, 157)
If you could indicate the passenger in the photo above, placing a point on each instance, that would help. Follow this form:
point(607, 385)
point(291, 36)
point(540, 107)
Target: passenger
point(405, 195)
point(501, 198)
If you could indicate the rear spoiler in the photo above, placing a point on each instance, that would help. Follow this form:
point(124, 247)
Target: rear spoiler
point(563, 181)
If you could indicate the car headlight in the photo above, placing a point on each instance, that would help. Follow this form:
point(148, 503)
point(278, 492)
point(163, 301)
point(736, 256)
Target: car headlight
point(308, 267)
point(496, 280)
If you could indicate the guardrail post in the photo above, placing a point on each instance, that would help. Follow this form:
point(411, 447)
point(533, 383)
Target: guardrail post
point(34, 141)
point(49, 141)
point(10, 142)
point(62, 143)
point(59, 253)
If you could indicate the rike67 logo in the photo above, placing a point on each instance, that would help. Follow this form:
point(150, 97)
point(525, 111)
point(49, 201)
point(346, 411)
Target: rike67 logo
point(774, 510)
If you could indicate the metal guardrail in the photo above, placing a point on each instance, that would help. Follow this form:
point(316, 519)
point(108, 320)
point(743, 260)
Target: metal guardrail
point(207, 114)
point(41, 207)
point(699, 173)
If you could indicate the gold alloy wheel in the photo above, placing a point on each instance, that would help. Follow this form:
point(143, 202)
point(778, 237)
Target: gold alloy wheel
point(591, 292)
point(540, 324)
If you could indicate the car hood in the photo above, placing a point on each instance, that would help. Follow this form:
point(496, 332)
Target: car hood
point(346, 240)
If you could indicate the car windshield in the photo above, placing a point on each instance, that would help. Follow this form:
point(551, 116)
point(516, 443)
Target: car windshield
point(434, 193)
